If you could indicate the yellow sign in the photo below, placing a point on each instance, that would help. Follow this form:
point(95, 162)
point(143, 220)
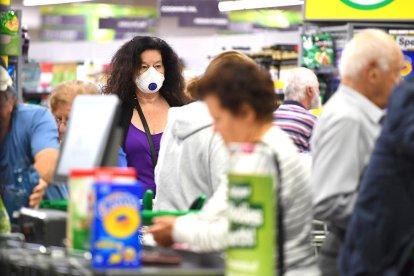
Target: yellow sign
point(361, 10)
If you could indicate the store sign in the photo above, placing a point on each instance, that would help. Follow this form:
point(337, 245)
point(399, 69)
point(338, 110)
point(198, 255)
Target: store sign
point(125, 24)
point(63, 35)
point(94, 22)
point(177, 8)
point(212, 22)
point(267, 18)
point(361, 10)
point(194, 13)
point(405, 42)
point(78, 20)
point(367, 4)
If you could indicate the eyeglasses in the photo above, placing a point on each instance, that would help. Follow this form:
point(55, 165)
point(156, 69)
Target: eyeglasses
point(61, 120)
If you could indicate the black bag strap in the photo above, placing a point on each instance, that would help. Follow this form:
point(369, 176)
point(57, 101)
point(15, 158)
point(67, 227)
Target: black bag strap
point(280, 217)
point(148, 133)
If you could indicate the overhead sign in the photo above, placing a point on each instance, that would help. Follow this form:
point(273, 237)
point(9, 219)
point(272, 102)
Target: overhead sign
point(194, 13)
point(267, 18)
point(367, 4)
point(359, 10)
point(125, 24)
point(95, 22)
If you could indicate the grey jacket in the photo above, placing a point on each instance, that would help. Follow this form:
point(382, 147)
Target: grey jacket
point(192, 158)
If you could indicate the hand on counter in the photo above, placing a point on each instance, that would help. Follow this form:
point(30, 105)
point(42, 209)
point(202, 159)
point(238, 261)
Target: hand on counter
point(37, 194)
point(162, 230)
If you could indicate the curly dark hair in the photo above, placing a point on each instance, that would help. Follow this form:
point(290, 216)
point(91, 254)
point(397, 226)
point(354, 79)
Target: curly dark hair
point(127, 60)
point(239, 82)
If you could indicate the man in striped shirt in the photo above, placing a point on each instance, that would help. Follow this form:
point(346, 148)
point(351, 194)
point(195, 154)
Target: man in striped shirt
point(293, 116)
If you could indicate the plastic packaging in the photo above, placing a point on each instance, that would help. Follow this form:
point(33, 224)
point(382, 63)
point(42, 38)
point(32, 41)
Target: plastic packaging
point(317, 51)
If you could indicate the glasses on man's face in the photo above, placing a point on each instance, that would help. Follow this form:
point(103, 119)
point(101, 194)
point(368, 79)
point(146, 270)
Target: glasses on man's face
point(61, 120)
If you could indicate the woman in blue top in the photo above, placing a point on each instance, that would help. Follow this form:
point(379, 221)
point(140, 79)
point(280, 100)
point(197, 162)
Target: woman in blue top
point(147, 76)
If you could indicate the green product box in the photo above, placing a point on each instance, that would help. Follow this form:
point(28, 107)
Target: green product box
point(252, 226)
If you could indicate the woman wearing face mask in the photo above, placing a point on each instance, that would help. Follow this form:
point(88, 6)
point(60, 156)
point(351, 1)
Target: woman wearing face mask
point(147, 76)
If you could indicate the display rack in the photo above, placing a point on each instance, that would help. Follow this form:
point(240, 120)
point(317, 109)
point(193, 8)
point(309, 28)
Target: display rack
point(341, 34)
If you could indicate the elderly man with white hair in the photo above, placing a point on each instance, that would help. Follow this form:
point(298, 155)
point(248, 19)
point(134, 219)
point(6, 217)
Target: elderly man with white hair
point(293, 116)
point(345, 134)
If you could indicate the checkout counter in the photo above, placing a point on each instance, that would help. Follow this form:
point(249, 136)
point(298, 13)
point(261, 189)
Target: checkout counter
point(36, 246)
point(34, 255)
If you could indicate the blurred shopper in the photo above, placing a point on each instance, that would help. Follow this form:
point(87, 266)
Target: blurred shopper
point(147, 76)
point(60, 102)
point(293, 116)
point(62, 97)
point(193, 159)
point(346, 132)
point(28, 148)
point(380, 234)
point(241, 101)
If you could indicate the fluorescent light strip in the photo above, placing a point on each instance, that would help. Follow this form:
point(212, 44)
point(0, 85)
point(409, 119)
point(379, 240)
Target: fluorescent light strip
point(50, 2)
point(238, 5)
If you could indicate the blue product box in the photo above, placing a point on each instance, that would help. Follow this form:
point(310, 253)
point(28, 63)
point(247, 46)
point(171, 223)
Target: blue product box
point(115, 239)
point(407, 70)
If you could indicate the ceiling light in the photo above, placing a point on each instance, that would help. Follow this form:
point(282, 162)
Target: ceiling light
point(49, 2)
point(237, 5)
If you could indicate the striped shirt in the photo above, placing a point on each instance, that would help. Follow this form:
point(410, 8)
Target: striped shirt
point(297, 122)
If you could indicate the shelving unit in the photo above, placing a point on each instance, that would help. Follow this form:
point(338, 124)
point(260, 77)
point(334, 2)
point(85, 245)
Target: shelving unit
point(341, 34)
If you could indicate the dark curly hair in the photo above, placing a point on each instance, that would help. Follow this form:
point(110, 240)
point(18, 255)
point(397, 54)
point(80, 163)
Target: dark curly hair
point(239, 82)
point(127, 60)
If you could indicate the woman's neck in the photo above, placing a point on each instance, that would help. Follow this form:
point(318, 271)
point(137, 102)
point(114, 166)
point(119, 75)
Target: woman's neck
point(148, 98)
point(258, 131)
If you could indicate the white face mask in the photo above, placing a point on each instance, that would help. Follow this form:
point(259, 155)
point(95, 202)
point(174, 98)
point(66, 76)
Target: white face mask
point(150, 81)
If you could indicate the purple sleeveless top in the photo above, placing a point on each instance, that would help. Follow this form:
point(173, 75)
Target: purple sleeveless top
point(139, 155)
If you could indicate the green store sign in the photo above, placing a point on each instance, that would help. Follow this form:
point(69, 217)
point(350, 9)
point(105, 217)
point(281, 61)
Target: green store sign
point(367, 4)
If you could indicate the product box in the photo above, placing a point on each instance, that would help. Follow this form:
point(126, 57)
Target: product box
point(80, 189)
point(115, 238)
point(78, 224)
point(407, 70)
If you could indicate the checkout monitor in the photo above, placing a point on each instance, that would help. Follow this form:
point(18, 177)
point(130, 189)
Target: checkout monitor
point(92, 138)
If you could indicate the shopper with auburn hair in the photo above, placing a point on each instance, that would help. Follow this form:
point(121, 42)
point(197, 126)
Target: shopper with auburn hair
point(241, 100)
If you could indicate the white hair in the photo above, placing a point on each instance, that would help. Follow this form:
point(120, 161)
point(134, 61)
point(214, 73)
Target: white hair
point(365, 47)
point(298, 81)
